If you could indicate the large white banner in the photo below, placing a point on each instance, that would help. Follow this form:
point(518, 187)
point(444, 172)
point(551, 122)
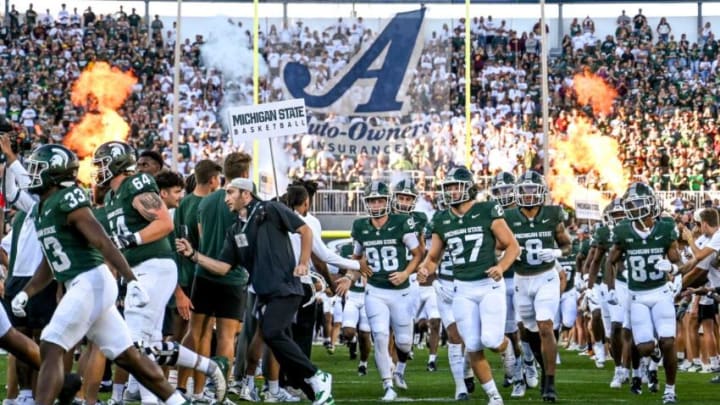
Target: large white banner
point(269, 120)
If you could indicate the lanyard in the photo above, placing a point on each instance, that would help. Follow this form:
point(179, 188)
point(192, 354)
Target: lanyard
point(249, 217)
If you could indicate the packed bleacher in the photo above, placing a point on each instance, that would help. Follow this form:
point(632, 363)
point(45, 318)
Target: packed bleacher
point(664, 117)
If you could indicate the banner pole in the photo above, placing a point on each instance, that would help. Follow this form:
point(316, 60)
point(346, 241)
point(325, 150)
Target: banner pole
point(256, 85)
point(468, 76)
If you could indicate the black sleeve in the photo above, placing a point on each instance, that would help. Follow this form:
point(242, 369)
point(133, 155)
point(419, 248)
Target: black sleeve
point(230, 251)
point(283, 217)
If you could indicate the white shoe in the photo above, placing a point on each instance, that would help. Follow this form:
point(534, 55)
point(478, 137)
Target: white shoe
point(599, 350)
point(531, 375)
point(518, 390)
point(694, 368)
point(248, 394)
point(321, 384)
point(8, 402)
point(496, 399)
point(617, 380)
point(129, 396)
point(390, 395)
point(22, 400)
point(705, 369)
point(557, 359)
point(399, 381)
point(281, 396)
point(685, 365)
point(669, 398)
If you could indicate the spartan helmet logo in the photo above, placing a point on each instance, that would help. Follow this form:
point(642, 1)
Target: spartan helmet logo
point(59, 158)
point(116, 150)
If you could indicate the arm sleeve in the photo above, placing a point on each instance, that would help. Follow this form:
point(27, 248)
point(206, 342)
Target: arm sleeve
point(326, 255)
point(411, 240)
point(357, 248)
point(16, 179)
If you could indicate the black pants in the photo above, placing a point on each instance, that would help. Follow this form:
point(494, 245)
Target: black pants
point(277, 314)
point(305, 323)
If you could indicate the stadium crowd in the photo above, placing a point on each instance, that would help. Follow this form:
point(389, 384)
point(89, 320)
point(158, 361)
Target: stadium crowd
point(664, 117)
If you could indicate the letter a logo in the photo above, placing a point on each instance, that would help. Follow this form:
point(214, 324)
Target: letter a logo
point(375, 80)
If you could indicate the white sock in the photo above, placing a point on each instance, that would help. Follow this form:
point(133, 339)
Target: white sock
point(147, 397)
point(274, 386)
point(189, 359)
point(432, 358)
point(382, 357)
point(457, 363)
point(636, 372)
point(363, 363)
point(400, 368)
point(670, 388)
point(681, 355)
point(652, 366)
point(250, 382)
point(117, 392)
point(528, 356)
point(25, 393)
point(175, 399)
point(490, 388)
point(387, 383)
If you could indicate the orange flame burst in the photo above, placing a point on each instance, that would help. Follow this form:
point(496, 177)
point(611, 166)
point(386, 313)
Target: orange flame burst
point(586, 151)
point(592, 89)
point(101, 90)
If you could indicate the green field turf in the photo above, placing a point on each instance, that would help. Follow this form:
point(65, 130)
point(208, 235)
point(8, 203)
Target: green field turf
point(578, 382)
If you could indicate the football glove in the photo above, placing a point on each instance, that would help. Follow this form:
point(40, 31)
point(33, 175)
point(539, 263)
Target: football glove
point(126, 241)
point(19, 303)
point(549, 255)
point(611, 297)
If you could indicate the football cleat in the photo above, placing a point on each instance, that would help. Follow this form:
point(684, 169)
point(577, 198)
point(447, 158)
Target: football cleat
point(549, 394)
point(390, 395)
point(399, 381)
point(531, 374)
point(518, 390)
point(617, 380)
point(362, 370)
point(669, 398)
point(463, 396)
point(496, 399)
point(431, 366)
point(653, 381)
point(636, 386)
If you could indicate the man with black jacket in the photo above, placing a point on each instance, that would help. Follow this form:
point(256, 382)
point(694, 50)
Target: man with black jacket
point(261, 244)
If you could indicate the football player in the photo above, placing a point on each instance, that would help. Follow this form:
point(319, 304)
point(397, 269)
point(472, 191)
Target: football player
point(650, 250)
point(620, 338)
point(540, 231)
point(355, 325)
point(404, 199)
point(140, 224)
point(502, 191)
point(75, 247)
point(470, 231)
point(384, 238)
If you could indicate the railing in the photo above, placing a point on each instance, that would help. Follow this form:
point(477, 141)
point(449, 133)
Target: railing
point(339, 202)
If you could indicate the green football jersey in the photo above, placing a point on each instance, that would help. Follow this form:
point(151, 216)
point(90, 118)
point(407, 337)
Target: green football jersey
point(101, 216)
point(65, 248)
point(186, 218)
point(124, 218)
point(533, 235)
point(215, 218)
point(384, 247)
point(570, 266)
point(469, 239)
point(602, 239)
point(346, 251)
point(421, 224)
point(642, 253)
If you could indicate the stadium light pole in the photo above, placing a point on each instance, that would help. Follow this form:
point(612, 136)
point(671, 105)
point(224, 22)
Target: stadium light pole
point(544, 73)
point(176, 88)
